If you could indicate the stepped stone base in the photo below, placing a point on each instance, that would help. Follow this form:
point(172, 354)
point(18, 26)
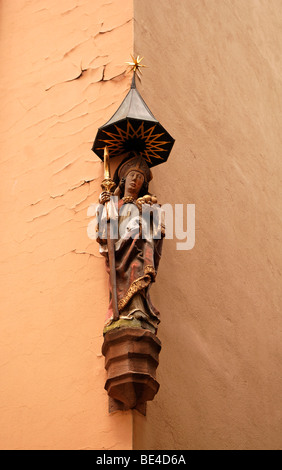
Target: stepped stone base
point(131, 361)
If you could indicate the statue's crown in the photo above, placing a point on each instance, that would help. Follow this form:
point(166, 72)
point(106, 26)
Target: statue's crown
point(136, 163)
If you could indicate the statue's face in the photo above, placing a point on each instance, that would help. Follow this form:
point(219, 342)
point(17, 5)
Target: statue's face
point(133, 183)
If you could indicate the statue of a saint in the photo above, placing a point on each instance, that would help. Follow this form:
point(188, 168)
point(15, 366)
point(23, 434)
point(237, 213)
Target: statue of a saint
point(138, 245)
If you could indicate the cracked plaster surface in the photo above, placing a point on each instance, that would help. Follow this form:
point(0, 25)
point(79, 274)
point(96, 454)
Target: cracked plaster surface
point(63, 74)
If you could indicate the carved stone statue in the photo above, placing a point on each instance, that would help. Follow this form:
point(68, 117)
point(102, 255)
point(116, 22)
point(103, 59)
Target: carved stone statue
point(138, 245)
point(130, 233)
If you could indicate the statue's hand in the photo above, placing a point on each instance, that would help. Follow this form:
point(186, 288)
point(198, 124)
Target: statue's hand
point(104, 197)
point(148, 199)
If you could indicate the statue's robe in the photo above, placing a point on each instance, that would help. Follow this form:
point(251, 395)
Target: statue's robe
point(137, 257)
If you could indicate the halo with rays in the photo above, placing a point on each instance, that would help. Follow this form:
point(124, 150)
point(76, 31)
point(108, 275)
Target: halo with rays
point(133, 127)
point(147, 138)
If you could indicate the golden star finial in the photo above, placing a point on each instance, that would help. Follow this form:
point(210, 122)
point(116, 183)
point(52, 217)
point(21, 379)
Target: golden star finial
point(136, 64)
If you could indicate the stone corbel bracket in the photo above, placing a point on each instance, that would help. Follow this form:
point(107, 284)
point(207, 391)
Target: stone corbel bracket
point(131, 361)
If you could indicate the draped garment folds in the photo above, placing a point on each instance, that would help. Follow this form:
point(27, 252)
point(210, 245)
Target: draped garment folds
point(137, 255)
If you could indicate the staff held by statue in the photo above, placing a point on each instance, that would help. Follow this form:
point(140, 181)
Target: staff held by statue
point(108, 185)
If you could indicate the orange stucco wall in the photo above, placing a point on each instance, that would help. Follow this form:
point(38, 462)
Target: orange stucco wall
point(214, 81)
point(62, 75)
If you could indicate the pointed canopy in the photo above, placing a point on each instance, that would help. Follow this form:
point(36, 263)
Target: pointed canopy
point(134, 128)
